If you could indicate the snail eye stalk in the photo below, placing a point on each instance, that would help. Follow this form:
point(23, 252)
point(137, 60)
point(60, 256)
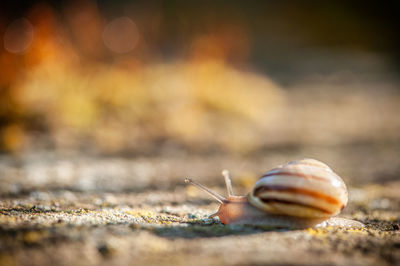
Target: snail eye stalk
point(228, 183)
point(215, 195)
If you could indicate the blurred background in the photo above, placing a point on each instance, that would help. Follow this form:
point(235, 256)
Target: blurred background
point(130, 77)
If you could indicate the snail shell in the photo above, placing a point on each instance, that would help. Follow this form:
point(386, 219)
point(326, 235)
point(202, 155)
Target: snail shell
point(306, 188)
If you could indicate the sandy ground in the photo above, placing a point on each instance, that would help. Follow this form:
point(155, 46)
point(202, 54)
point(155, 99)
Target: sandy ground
point(88, 210)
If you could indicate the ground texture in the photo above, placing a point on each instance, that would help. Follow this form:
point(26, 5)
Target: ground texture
point(90, 210)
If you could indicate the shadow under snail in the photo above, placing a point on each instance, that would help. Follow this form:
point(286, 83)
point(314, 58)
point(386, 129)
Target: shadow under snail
point(299, 194)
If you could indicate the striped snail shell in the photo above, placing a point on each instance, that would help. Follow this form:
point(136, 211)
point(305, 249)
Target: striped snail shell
point(306, 188)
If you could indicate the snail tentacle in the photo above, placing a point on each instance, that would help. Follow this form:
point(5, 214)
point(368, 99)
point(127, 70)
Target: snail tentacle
point(228, 182)
point(214, 194)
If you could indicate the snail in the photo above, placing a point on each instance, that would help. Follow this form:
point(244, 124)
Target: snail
point(299, 194)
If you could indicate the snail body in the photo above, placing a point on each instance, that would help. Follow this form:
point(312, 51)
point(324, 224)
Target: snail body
point(299, 194)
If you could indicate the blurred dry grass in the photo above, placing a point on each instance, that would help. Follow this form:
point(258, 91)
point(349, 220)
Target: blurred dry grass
point(101, 86)
point(203, 102)
point(54, 89)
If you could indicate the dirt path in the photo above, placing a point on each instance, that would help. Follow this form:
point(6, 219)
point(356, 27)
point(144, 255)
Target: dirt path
point(63, 211)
